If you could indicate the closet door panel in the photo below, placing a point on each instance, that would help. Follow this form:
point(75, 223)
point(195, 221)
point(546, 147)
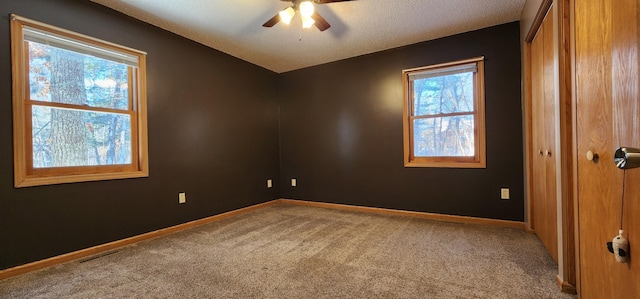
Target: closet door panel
point(550, 132)
point(543, 127)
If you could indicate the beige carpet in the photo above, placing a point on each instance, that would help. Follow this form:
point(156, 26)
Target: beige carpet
point(287, 251)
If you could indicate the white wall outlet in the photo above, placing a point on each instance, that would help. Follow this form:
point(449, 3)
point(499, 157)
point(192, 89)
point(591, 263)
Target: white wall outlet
point(504, 193)
point(294, 182)
point(269, 183)
point(182, 197)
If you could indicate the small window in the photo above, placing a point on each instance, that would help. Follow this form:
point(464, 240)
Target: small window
point(79, 107)
point(444, 115)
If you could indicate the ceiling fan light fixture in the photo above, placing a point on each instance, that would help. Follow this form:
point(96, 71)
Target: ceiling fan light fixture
point(307, 22)
point(286, 15)
point(306, 9)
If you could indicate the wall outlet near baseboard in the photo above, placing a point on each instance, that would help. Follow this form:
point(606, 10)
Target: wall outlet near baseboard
point(294, 182)
point(269, 183)
point(504, 193)
point(182, 197)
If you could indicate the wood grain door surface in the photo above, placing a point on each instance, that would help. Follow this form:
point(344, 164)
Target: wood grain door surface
point(544, 129)
point(608, 116)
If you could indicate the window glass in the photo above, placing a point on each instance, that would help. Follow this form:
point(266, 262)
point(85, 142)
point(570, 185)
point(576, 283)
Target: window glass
point(451, 136)
point(63, 76)
point(444, 94)
point(97, 138)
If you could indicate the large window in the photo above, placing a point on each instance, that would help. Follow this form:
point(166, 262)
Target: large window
point(444, 115)
point(79, 107)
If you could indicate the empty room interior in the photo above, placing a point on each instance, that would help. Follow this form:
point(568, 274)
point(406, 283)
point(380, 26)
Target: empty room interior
point(325, 148)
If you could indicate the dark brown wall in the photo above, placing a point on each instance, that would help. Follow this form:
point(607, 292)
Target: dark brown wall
point(213, 133)
point(341, 131)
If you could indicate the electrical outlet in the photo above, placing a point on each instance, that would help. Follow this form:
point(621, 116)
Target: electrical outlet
point(504, 193)
point(269, 183)
point(294, 182)
point(182, 197)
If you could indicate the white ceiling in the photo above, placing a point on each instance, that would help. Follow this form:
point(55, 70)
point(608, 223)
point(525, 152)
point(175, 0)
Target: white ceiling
point(357, 27)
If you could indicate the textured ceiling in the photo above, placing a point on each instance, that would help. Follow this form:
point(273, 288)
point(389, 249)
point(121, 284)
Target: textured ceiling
point(357, 27)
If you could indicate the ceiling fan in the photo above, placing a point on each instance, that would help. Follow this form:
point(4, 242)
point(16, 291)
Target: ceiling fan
point(307, 12)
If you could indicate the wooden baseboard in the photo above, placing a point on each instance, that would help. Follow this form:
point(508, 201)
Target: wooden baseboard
point(423, 215)
point(566, 287)
point(10, 272)
point(528, 229)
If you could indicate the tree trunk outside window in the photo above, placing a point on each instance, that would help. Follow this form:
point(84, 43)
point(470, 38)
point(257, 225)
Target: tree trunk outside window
point(69, 143)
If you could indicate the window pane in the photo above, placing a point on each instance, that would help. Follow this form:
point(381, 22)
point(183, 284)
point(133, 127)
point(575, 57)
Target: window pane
point(444, 137)
point(66, 137)
point(443, 94)
point(63, 76)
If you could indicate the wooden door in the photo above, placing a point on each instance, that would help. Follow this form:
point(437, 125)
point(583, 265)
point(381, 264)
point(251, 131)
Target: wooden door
point(544, 129)
point(608, 116)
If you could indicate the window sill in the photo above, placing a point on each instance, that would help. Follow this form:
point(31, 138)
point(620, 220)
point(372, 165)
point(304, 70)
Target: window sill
point(40, 181)
point(450, 164)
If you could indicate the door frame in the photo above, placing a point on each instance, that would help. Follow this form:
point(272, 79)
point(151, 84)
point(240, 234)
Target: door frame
point(561, 11)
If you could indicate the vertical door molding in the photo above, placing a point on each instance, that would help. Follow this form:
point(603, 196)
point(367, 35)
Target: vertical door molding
point(567, 278)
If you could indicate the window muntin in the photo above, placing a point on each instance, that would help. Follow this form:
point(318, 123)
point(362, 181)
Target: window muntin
point(444, 115)
point(79, 107)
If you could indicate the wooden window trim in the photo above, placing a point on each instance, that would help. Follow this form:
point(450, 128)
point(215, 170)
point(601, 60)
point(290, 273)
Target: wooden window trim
point(24, 173)
point(479, 158)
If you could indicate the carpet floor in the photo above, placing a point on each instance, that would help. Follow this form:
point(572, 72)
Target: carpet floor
point(290, 251)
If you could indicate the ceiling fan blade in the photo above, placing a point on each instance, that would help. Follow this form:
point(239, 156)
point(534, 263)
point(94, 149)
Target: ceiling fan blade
point(272, 21)
point(330, 1)
point(321, 23)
